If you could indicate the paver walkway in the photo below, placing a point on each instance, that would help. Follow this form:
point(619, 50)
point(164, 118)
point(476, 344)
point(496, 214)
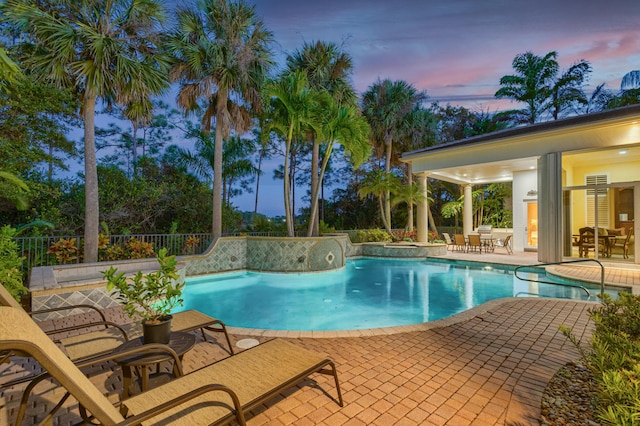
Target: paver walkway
point(485, 367)
point(490, 369)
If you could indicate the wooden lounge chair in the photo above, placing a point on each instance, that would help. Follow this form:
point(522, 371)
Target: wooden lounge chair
point(90, 344)
point(212, 395)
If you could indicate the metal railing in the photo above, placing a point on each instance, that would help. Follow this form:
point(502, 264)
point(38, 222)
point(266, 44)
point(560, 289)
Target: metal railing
point(540, 265)
point(36, 250)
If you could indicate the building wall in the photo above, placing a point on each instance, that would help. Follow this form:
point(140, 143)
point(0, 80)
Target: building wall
point(524, 183)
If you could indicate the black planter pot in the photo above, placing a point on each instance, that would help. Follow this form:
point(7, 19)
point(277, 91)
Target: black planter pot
point(157, 332)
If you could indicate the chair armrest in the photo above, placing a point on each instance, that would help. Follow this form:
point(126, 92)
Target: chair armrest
point(149, 347)
point(68, 308)
point(149, 414)
point(107, 324)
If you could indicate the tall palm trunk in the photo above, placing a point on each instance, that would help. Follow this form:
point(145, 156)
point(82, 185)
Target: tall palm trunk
point(315, 193)
point(387, 194)
point(217, 165)
point(255, 207)
point(287, 189)
point(314, 225)
point(410, 204)
point(92, 208)
point(134, 147)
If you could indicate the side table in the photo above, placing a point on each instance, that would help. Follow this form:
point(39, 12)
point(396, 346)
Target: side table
point(180, 342)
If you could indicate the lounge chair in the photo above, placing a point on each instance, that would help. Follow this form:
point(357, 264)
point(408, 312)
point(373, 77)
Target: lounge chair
point(94, 343)
point(212, 395)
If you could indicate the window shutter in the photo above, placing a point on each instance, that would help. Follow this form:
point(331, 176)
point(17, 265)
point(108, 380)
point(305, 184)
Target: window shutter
point(603, 200)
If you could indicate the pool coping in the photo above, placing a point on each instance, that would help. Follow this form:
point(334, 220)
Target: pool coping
point(381, 331)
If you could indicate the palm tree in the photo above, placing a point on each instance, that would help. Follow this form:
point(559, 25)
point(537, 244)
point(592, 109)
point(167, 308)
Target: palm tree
point(532, 85)
point(567, 92)
point(381, 184)
point(347, 126)
point(292, 104)
point(104, 51)
point(387, 106)
point(222, 55)
point(235, 163)
point(327, 68)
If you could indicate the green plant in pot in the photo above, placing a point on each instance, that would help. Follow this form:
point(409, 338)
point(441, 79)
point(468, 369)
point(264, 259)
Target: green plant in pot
point(149, 297)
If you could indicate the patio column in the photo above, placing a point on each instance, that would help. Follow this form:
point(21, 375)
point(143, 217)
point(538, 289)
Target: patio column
point(422, 221)
point(550, 207)
point(467, 211)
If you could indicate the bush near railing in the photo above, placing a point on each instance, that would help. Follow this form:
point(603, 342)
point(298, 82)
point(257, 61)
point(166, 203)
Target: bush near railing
point(47, 251)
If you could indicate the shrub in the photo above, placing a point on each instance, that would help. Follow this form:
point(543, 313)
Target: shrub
point(614, 358)
point(372, 235)
point(65, 251)
point(11, 263)
point(191, 245)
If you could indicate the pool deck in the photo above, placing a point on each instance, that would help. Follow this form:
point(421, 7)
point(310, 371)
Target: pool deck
point(488, 366)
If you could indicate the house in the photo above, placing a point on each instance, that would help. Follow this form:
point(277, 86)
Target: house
point(567, 174)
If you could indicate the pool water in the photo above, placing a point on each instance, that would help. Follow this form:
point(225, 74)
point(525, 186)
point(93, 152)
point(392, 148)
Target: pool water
point(367, 293)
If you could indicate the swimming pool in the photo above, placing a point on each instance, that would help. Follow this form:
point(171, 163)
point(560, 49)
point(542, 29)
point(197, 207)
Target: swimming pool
point(367, 293)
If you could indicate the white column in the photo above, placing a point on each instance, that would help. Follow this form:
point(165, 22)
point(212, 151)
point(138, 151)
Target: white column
point(467, 211)
point(422, 221)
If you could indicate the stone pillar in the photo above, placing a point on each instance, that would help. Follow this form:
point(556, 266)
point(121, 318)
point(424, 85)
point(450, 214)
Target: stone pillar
point(422, 220)
point(467, 210)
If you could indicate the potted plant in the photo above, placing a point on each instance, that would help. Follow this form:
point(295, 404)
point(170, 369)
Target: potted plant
point(149, 297)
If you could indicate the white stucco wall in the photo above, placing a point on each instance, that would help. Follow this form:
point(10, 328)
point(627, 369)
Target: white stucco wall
point(523, 182)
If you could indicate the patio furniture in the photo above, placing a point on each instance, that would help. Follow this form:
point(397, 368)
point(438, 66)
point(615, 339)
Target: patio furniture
point(506, 244)
point(460, 242)
point(475, 243)
point(214, 394)
point(587, 241)
point(88, 345)
point(622, 242)
point(93, 343)
point(180, 342)
point(447, 239)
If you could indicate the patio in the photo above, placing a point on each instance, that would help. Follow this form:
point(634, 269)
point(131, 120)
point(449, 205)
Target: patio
point(487, 366)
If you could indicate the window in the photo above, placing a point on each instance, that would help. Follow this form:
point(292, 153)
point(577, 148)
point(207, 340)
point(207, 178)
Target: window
point(601, 211)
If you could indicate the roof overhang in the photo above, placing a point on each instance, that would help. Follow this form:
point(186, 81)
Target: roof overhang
point(494, 157)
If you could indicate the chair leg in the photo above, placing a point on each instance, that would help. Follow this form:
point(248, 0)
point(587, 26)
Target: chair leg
point(222, 329)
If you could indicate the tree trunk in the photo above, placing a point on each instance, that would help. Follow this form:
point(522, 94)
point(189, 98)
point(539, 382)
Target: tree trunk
point(387, 194)
point(287, 189)
point(314, 226)
point(255, 207)
point(410, 206)
point(217, 167)
point(316, 190)
point(134, 148)
point(92, 208)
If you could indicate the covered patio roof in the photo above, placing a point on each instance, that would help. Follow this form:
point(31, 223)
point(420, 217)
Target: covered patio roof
point(494, 157)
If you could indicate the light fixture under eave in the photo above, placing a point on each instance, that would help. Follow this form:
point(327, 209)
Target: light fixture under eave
point(623, 152)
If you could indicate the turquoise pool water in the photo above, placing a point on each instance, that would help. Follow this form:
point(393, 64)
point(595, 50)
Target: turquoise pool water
point(367, 293)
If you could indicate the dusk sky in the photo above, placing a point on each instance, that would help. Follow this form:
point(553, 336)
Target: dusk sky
point(456, 50)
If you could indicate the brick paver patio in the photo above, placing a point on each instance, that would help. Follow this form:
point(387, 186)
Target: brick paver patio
point(485, 367)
